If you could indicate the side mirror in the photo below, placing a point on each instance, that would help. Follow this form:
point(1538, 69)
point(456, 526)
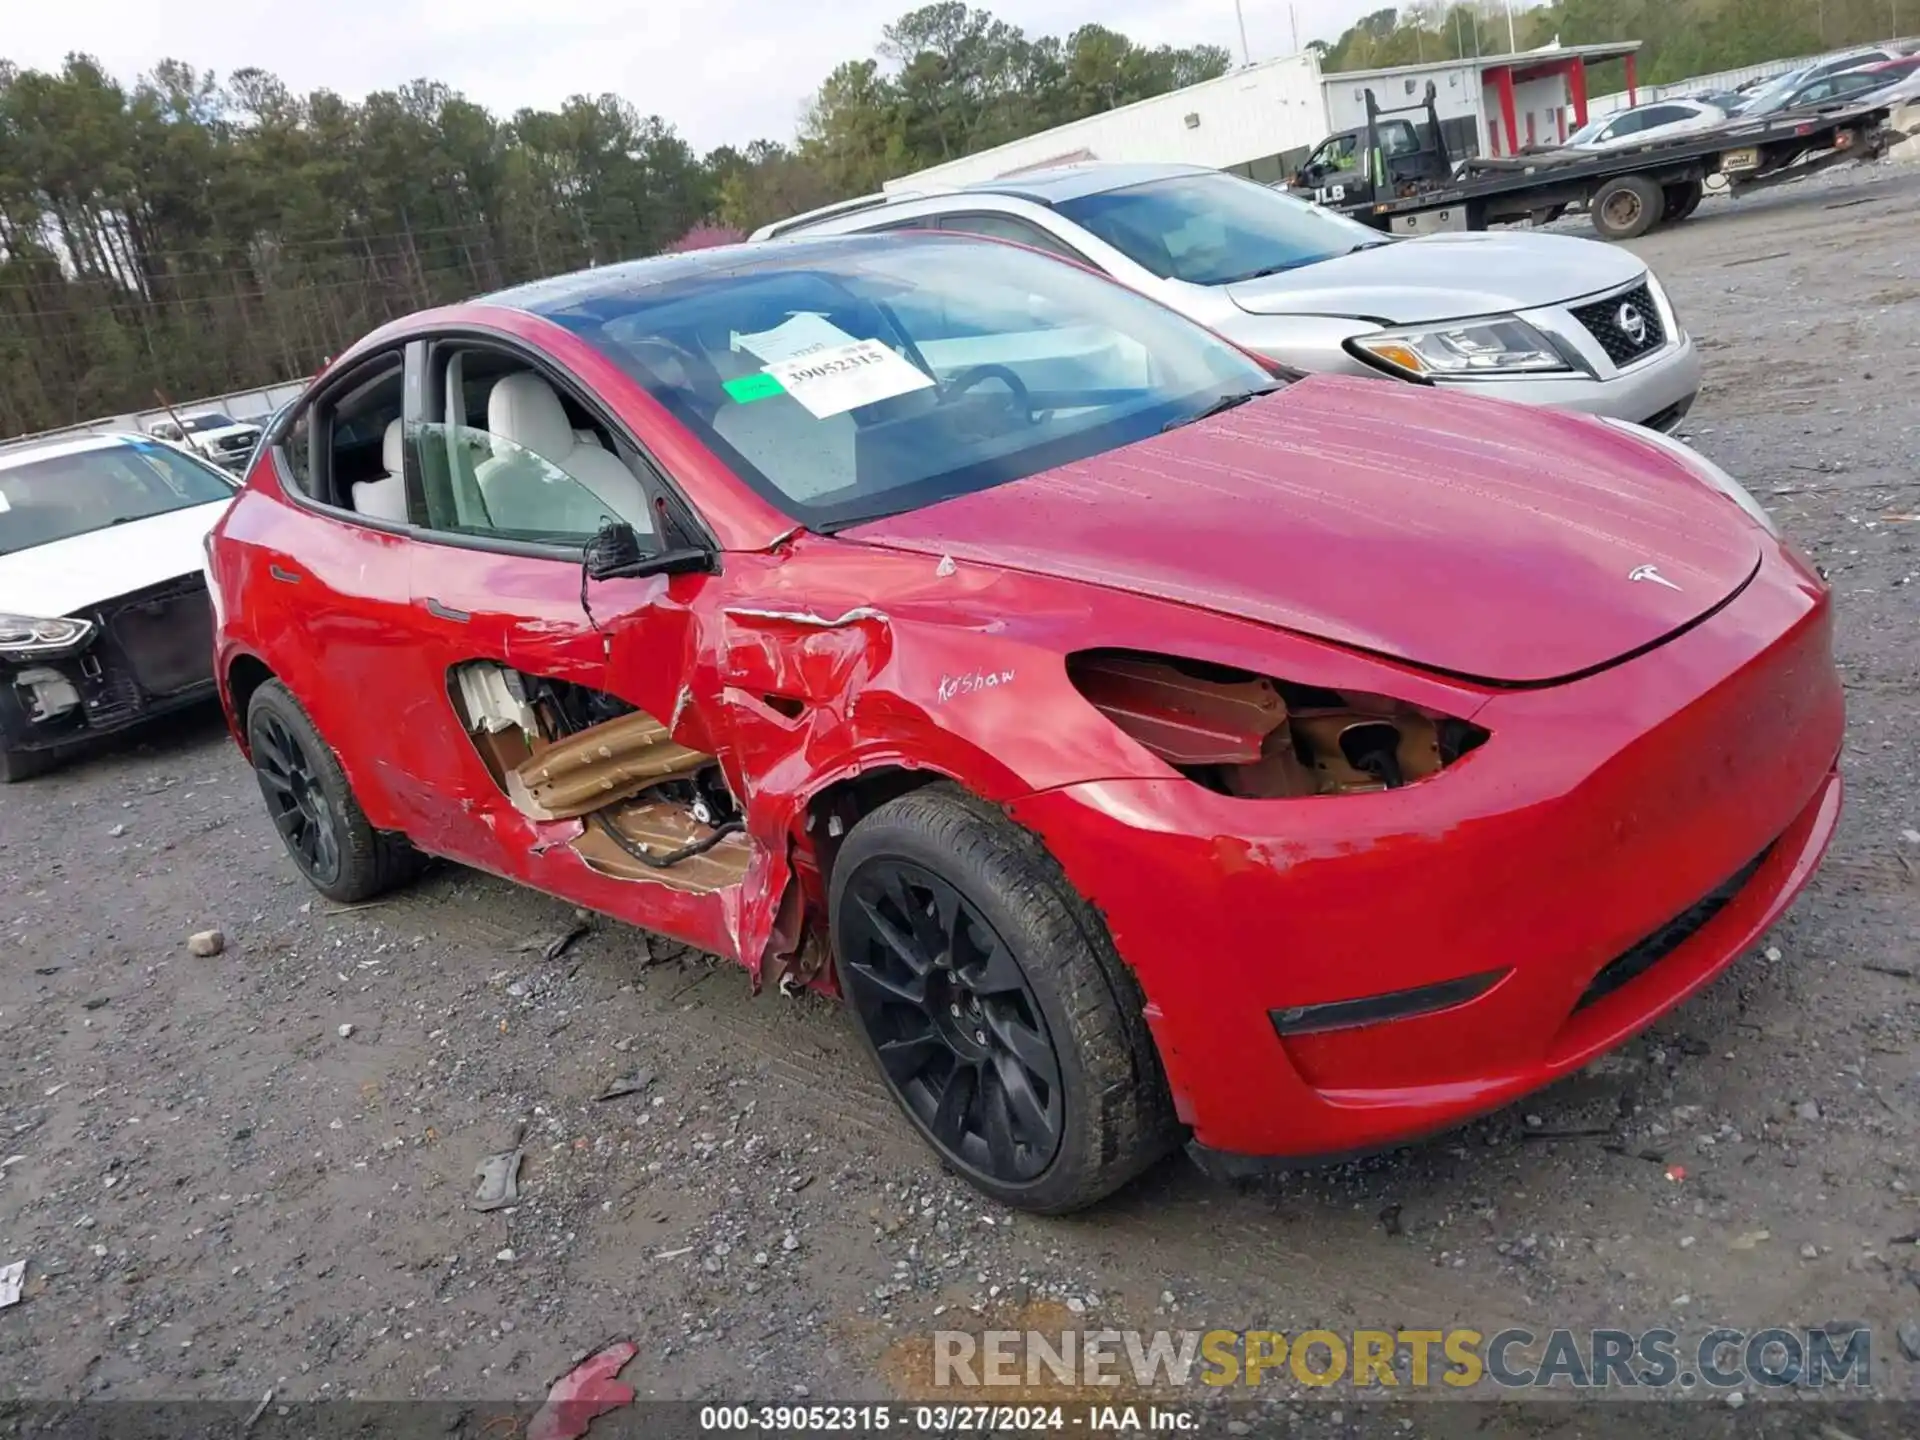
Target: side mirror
point(614, 553)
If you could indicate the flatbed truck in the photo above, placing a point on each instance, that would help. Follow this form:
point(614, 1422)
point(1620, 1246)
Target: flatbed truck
point(1399, 177)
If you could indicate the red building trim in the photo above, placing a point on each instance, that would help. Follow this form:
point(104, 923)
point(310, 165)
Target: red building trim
point(1503, 80)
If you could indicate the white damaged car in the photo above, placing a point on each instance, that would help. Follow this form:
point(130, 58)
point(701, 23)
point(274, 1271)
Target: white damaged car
point(104, 615)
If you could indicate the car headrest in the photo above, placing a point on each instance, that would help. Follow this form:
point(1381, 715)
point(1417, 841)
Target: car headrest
point(392, 448)
point(523, 409)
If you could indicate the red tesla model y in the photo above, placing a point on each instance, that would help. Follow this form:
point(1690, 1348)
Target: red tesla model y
point(1148, 745)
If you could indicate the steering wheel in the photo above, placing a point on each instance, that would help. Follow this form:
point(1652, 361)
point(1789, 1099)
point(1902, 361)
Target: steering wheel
point(962, 381)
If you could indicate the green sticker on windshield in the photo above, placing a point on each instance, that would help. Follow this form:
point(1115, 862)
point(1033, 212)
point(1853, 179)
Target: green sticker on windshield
point(757, 386)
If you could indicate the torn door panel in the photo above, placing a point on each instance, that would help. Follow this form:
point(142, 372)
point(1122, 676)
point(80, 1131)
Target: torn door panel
point(664, 829)
point(594, 768)
point(604, 782)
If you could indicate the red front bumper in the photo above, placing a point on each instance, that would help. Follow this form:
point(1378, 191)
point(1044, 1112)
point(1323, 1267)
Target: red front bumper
point(1598, 813)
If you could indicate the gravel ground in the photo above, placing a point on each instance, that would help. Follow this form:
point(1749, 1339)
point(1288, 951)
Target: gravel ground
point(253, 1170)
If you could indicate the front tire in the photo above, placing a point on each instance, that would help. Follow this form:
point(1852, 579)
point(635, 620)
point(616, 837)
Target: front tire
point(312, 805)
point(994, 1005)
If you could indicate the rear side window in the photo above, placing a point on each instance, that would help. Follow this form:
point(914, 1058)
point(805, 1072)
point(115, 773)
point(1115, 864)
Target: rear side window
point(1397, 138)
point(293, 452)
point(1008, 227)
point(1856, 83)
point(340, 442)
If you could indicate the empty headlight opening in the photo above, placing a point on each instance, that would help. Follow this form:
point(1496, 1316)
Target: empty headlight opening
point(1258, 737)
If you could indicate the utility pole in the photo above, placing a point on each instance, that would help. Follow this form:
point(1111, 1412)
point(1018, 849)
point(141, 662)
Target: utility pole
point(1293, 18)
point(1246, 55)
point(1513, 46)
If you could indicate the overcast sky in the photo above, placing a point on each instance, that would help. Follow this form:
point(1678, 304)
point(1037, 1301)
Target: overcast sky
point(722, 71)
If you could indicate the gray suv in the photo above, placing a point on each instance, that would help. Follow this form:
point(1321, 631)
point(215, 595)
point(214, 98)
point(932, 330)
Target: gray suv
point(1547, 319)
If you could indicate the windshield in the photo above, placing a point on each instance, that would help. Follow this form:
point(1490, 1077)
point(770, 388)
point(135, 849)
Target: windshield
point(1588, 131)
point(1773, 94)
point(851, 378)
point(70, 494)
point(1214, 229)
point(207, 422)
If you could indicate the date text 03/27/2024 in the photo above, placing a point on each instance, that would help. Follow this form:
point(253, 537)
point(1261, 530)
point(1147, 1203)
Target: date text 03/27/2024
point(943, 1419)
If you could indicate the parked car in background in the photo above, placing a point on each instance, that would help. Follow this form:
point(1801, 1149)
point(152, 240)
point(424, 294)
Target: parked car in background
point(1899, 82)
point(103, 604)
point(219, 437)
point(1144, 744)
point(1842, 87)
point(1660, 120)
point(1785, 92)
point(1546, 319)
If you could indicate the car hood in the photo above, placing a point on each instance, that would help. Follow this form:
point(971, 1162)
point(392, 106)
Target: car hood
point(1443, 277)
point(1488, 540)
point(72, 575)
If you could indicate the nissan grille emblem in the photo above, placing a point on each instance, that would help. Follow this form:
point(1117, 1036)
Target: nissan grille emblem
point(1650, 572)
point(1632, 323)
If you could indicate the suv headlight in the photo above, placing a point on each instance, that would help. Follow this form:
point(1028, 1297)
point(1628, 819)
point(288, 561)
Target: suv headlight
point(1702, 469)
point(1499, 346)
point(27, 635)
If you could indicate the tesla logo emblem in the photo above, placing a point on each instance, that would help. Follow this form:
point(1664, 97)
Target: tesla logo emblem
point(1632, 324)
point(1650, 572)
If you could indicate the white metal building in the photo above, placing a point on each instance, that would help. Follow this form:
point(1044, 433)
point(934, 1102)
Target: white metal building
point(1252, 115)
point(1262, 119)
point(1491, 104)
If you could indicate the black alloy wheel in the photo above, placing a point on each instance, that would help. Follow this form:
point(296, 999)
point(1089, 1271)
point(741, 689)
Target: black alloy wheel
point(954, 1022)
point(296, 799)
point(314, 808)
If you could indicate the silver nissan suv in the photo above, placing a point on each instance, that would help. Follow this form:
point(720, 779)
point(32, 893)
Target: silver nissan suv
point(1547, 319)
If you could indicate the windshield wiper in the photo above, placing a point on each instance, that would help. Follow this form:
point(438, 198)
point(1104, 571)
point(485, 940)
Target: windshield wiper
point(1368, 245)
point(1262, 274)
point(1219, 407)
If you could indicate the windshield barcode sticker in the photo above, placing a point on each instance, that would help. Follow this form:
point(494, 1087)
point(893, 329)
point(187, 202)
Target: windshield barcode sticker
point(831, 382)
point(799, 334)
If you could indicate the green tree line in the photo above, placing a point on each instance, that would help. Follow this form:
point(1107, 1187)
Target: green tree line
point(183, 235)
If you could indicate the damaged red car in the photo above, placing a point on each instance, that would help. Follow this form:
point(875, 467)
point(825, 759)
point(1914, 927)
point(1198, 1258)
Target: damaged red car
point(1148, 745)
